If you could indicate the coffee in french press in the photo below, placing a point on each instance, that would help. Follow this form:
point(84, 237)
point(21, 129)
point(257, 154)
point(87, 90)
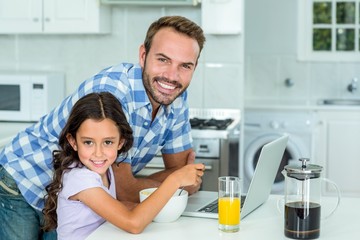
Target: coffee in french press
point(302, 201)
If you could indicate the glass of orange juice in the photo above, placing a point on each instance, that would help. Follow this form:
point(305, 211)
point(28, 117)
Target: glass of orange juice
point(229, 203)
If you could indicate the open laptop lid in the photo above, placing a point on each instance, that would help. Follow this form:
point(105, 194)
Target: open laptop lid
point(260, 186)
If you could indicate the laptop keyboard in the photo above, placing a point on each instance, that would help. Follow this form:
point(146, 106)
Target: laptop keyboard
point(213, 206)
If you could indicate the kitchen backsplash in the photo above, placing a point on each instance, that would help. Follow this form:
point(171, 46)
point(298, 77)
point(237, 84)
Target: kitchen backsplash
point(266, 78)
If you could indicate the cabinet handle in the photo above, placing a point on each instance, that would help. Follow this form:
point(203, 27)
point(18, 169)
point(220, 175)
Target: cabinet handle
point(47, 19)
point(35, 19)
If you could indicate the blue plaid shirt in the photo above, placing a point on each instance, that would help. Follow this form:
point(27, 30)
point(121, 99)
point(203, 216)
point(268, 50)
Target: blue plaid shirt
point(28, 158)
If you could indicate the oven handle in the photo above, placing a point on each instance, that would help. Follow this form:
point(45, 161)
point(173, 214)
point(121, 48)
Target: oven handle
point(161, 166)
point(207, 167)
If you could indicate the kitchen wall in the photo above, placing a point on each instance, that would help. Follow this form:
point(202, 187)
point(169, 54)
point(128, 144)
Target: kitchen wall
point(217, 82)
point(271, 57)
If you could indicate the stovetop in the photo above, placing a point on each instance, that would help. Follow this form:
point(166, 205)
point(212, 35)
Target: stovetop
point(214, 123)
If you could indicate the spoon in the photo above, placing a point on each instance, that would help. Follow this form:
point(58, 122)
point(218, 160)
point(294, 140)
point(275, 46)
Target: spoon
point(181, 191)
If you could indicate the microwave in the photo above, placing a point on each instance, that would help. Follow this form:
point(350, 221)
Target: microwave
point(26, 97)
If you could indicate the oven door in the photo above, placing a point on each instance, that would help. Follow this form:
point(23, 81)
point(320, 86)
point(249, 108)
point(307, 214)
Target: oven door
point(211, 174)
point(210, 178)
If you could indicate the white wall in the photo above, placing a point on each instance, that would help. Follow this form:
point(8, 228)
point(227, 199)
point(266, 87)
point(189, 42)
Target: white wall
point(217, 82)
point(271, 57)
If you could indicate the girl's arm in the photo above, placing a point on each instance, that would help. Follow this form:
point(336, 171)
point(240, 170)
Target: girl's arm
point(128, 186)
point(135, 220)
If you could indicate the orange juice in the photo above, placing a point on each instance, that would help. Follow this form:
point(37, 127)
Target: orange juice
point(229, 211)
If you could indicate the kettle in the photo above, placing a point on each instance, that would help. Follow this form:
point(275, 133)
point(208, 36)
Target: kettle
point(302, 213)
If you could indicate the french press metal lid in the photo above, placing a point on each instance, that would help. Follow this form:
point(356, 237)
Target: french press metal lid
point(305, 171)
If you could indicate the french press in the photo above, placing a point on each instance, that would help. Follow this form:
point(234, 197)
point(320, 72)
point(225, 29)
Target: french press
point(302, 200)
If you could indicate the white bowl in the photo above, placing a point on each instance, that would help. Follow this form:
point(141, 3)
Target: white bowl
point(173, 208)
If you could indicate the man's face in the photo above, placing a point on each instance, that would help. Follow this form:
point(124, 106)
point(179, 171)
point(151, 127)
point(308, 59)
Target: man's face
point(168, 66)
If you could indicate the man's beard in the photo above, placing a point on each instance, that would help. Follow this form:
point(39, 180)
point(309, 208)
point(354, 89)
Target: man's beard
point(159, 97)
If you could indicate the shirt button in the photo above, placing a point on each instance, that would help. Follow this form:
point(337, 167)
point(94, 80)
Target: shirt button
point(146, 124)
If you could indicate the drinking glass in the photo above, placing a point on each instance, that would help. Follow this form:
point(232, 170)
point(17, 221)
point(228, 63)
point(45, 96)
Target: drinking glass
point(229, 203)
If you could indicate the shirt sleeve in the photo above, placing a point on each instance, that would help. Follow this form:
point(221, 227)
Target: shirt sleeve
point(79, 179)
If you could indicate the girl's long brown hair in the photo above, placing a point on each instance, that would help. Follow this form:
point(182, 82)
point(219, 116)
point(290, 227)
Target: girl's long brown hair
point(96, 106)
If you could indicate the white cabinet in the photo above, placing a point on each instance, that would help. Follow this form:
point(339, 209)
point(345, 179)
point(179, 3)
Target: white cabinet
point(54, 16)
point(20, 16)
point(153, 2)
point(338, 148)
point(222, 17)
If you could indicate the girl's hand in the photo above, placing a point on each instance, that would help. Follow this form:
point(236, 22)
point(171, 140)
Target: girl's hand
point(190, 174)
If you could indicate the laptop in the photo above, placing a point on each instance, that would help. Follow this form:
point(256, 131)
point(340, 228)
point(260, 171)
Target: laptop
point(204, 203)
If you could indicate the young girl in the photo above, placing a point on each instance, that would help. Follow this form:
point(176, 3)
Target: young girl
point(82, 195)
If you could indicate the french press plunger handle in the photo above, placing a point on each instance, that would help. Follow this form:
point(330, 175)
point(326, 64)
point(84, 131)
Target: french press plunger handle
point(303, 162)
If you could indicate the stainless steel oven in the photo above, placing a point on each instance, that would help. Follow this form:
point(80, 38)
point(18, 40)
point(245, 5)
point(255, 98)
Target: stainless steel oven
point(216, 137)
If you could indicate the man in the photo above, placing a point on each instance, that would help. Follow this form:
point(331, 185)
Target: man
point(153, 95)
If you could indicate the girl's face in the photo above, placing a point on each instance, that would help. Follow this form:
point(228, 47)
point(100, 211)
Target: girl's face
point(97, 144)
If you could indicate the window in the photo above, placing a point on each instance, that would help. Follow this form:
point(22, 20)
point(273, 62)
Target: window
point(329, 30)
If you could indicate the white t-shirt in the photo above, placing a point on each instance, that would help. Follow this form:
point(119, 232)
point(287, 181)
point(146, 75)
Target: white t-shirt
point(75, 219)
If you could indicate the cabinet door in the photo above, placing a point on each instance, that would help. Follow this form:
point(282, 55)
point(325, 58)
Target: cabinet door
point(73, 16)
point(20, 16)
point(343, 155)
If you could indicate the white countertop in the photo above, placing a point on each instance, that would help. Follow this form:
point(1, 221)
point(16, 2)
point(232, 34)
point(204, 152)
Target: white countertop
point(264, 223)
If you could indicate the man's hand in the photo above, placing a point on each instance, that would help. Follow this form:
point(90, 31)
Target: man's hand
point(191, 158)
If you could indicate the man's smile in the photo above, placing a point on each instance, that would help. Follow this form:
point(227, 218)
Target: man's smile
point(166, 86)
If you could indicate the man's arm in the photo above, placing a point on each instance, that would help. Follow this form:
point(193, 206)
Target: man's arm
point(128, 186)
